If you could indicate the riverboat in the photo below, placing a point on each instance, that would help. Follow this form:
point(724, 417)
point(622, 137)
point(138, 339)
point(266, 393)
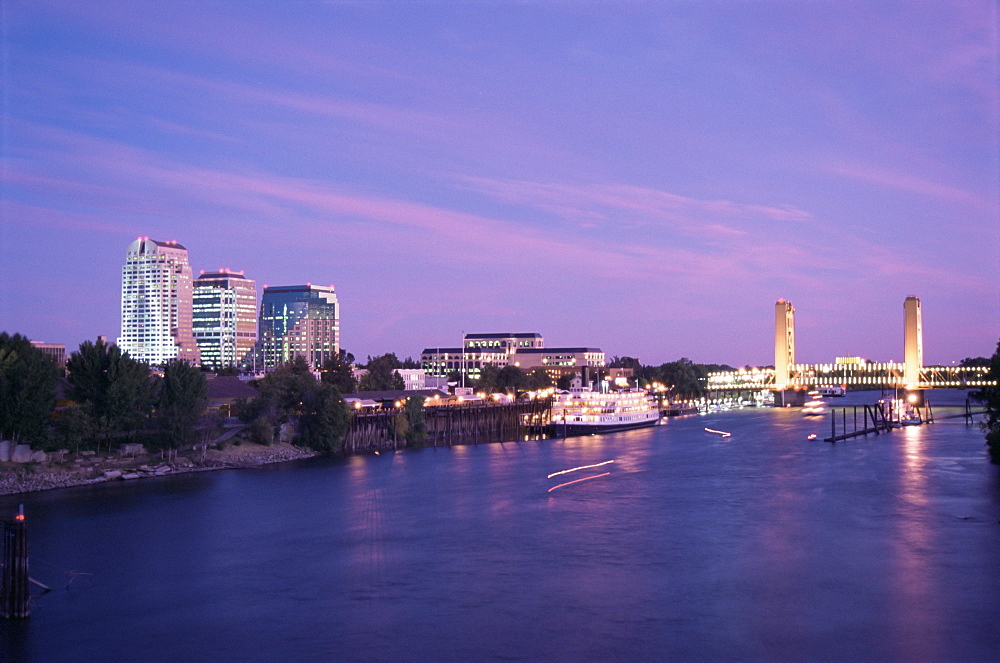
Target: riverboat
point(584, 412)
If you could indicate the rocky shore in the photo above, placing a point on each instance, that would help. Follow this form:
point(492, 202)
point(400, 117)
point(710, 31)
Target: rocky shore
point(63, 470)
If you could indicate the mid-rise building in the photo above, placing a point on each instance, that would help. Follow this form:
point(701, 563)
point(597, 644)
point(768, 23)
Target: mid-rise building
point(156, 303)
point(297, 321)
point(524, 350)
point(54, 351)
point(224, 317)
point(477, 350)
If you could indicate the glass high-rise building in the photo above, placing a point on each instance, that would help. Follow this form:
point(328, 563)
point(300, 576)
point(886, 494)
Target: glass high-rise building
point(156, 303)
point(225, 317)
point(297, 321)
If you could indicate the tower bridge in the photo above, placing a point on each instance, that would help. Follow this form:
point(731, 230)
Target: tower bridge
point(790, 379)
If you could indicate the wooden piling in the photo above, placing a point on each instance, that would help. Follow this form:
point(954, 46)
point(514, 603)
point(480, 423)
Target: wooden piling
point(15, 601)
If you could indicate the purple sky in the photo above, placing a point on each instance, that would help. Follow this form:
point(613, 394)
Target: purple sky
point(647, 178)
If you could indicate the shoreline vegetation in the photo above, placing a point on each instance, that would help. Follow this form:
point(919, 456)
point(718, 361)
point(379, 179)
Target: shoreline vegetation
point(66, 470)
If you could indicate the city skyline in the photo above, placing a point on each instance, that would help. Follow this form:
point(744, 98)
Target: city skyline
point(649, 180)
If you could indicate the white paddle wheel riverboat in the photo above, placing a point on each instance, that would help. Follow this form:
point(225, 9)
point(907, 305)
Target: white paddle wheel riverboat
point(583, 412)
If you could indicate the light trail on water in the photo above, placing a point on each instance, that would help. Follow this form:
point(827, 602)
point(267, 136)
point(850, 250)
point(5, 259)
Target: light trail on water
point(569, 483)
point(582, 467)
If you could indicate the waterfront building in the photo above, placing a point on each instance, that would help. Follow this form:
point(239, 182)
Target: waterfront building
point(224, 317)
point(417, 378)
point(525, 350)
point(297, 321)
point(477, 350)
point(54, 351)
point(558, 361)
point(156, 303)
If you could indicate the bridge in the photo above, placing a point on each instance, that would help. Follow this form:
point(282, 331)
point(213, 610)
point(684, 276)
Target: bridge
point(788, 378)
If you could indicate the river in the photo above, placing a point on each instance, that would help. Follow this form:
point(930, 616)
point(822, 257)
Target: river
point(761, 546)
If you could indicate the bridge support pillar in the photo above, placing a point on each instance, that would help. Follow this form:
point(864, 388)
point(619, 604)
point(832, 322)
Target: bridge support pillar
point(789, 398)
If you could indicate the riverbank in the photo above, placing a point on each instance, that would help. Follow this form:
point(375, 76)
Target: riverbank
point(87, 467)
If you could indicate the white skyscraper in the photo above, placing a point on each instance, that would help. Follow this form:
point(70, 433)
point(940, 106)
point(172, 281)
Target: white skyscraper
point(156, 303)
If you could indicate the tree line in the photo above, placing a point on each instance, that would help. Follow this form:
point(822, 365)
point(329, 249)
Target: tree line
point(114, 400)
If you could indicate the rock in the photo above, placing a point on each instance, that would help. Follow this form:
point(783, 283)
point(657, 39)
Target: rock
point(132, 449)
point(38, 457)
point(112, 474)
point(88, 453)
point(5, 451)
point(22, 454)
point(129, 476)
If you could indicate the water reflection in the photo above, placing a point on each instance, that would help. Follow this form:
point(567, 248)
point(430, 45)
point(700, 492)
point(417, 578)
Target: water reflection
point(914, 590)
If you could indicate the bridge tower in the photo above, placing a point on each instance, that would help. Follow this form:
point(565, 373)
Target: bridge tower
point(913, 343)
point(784, 342)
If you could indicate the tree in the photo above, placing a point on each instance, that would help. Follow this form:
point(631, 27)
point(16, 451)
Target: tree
point(537, 379)
point(990, 397)
point(339, 372)
point(417, 424)
point(285, 389)
point(115, 391)
point(182, 401)
point(682, 377)
point(325, 420)
point(382, 375)
point(73, 426)
point(27, 390)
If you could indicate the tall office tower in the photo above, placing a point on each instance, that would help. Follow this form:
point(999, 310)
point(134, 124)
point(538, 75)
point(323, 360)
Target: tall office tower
point(156, 303)
point(225, 317)
point(784, 342)
point(913, 342)
point(297, 321)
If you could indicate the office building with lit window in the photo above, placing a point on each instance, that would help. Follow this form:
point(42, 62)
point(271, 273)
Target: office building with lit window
point(527, 351)
point(224, 317)
point(296, 321)
point(156, 303)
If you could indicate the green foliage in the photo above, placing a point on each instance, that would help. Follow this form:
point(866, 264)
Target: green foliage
point(261, 431)
point(416, 423)
point(681, 378)
point(182, 402)
point(539, 378)
point(73, 428)
point(27, 390)
point(382, 375)
point(116, 392)
point(508, 379)
point(325, 420)
point(990, 397)
point(338, 372)
point(409, 362)
point(285, 389)
point(564, 382)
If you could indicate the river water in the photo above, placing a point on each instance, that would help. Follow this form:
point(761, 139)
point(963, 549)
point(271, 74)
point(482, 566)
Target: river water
point(761, 546)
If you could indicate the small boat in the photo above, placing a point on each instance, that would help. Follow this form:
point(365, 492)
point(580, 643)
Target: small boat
point(816, 407)
point(833, 391)
point(583, 411)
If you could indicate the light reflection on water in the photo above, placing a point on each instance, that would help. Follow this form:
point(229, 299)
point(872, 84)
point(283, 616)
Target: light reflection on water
point(762, 546)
